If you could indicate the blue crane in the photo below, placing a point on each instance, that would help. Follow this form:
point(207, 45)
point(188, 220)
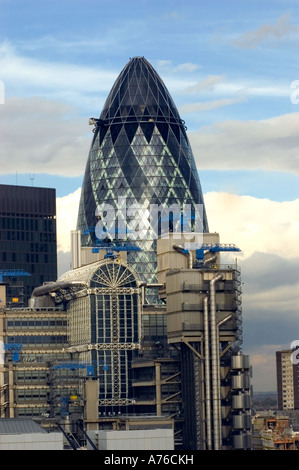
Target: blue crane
point(15, 349)
point(110, 247)
point(212, 247)
point(12, 273)
point(75, 366)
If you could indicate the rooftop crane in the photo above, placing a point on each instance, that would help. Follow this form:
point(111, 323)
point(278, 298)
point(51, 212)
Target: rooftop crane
point(15, 349)
point(110, 246)
point(12, 273)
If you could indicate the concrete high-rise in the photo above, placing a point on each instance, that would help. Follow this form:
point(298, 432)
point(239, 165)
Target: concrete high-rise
point(287, 374)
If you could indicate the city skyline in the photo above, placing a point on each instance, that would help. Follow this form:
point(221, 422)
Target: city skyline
point(230, 72)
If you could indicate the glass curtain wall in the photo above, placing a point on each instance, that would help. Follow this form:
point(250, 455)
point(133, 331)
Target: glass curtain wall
point(140, 159)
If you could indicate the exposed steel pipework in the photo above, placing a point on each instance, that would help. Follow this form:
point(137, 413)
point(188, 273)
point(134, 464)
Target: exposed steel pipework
point(215, 364)
point(207, 373)
point(188, 253)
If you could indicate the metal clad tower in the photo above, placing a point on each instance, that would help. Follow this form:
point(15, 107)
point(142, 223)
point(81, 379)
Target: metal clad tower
point(140, 154)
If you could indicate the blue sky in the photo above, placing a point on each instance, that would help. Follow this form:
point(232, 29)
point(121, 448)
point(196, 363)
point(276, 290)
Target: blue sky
point(244, 55)
point(229, 66)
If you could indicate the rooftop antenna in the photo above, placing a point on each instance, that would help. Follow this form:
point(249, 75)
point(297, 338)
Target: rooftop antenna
point(31, 178)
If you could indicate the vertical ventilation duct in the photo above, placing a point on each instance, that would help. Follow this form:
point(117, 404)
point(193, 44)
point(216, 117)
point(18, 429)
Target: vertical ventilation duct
point(215, 364)
point(207, 374)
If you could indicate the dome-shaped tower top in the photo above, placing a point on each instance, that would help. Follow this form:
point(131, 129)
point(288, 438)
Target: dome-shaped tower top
point(139, 94)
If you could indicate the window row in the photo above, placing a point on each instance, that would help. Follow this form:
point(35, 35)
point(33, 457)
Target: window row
point(30, 236)
point(22, 258)
point(33, 324)
point(11, 223)
point(38, 339)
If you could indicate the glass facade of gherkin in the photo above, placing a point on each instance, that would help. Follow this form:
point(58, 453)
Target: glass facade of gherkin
point(140, 154)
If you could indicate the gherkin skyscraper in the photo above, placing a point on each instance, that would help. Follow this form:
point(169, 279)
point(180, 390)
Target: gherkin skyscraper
point(140, 155)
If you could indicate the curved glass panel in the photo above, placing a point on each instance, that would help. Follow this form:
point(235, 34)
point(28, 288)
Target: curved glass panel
point(113, 275)
point(140, 158)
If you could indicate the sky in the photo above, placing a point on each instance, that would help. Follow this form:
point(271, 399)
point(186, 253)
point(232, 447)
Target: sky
point(232, 70)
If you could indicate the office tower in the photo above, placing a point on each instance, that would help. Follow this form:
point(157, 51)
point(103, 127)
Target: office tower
point(287, 373)
point(27, 239)
point(140, 156)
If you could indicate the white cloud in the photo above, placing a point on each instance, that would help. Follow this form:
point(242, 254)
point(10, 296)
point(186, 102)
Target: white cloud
point(20, 73)
point(167, 66)
point(67, 213)
point(204, 84)
point(262, 359)
point(255, 225)
point(271, 144)
point(163, 63)
point(39, 135)
point(208, 105)
point(173, 15)
point(66, 45)
point(186, 67)
point(282, 29)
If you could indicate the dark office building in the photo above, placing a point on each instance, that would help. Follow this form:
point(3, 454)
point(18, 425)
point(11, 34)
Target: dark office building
point(27, 240)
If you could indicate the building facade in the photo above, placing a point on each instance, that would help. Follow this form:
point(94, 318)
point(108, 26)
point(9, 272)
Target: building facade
point(27, 240)
point(204, 322)
point(287, 373)
point(31, 343)
point(105, 327)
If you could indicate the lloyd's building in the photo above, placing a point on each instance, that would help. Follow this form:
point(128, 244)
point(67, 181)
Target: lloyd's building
point(149, 303)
